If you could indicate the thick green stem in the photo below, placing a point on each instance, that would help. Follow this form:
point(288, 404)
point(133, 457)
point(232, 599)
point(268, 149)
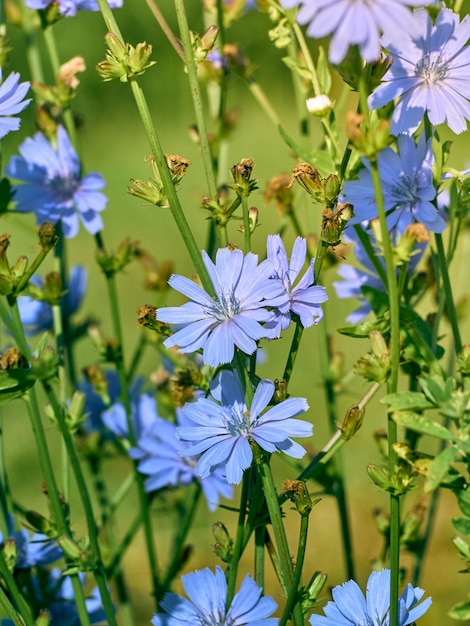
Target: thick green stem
point(449, 299)
point(238, 547)
point(21, 607)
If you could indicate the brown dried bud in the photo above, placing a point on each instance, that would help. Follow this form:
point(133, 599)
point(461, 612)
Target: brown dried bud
point(280, 191)
point(69, 70)
point(177, 166)
point(47, 236)
point(12, 359)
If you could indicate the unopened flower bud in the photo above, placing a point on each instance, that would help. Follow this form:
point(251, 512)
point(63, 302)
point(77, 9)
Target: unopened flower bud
point(280, 390)
point(312, 591)
point(123, 60)
point(10, 553)
point(53, 289)
point(19, 268)
point(411, 525)
point(375, 366)
point(319, 106)
point(352, 421)
point(75, 411)
point(379, 476)
point(223, 546)
point(297, 492)
point(44, 618)
point(464, 360)
point(406, 246)
point(47, 236)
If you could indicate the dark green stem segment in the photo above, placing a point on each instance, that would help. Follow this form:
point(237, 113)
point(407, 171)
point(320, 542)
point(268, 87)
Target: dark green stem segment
point(86, 503)
point(299, 563)
point(299, 329)
point(238, 547)
point(449, 299)
point(21, 607)
point(270, 494)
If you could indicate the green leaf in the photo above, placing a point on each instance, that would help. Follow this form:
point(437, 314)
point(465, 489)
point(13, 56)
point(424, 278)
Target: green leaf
point(463, 500)
point(407, 401)
point(461, 525)
point(423, 425)
point(14, 383)
point(461, 611)
point(439, 468)
point(438, 390)
point(303, 72)
point(323, 71)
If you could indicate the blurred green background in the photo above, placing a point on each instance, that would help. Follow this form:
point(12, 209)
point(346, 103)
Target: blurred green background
point(112, 142)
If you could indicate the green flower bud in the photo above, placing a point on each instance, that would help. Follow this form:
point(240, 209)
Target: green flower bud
point(464, 360)
point(297, 492)
point(123, 60)
point(312, 590)
point(44, 618)
point(352, 421)
point(241, 173)
point(223, 546)
point(47, 236)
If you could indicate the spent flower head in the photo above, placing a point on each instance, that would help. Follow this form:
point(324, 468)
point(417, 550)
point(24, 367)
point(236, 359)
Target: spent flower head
point(353, 22)
point(429, 73)
point(207, 593)
point(349, 607)
point(53, 187)
point(225, 426)
point(12, 94)
point(233, 317)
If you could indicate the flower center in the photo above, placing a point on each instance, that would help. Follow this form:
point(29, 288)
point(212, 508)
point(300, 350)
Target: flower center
point(63, 187)
point(216, 618)
point(432, 68)
point(237, 423)
point(404, 191)
point(224, 308)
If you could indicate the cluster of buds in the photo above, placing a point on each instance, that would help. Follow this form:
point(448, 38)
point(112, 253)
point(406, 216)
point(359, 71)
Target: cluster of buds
point(375, 365)
point(74, 415)
point(253, 215)
point(243, 183)
point(108, 349)
point(398, 482)
point(113, 262)
point(10, 277)
point(322, 190)
point(153, 190)
point(124, 61)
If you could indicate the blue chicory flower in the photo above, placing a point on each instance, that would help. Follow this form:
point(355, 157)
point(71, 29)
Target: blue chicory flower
point(143, 414)
point(429, 73)
point(37, 315)
point(68, 8)
point(159, 458)
point(407, 185)
point(12, 93)
point(234, 317)
point(366, 275)
point(353, 22)
point(349, 607)
point(53, 186)
point(225, 426)
point(63, 609)
point(304, 298)
point(206, 606)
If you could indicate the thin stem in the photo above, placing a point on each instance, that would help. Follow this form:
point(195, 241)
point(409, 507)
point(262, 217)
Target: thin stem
point(260, 534)
point(196, 97)
point(86, 503)
point(299, 329)
point(449, 299)
point(22, 608)
point(238, 547)
point(299, 562)
point(158, 15)
point(246, 224)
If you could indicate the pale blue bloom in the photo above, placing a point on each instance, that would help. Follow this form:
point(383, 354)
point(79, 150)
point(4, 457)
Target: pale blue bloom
point(54, 188)
point(37, 315)
point(353, 22)
point(233, 318)
point(12, 93)
point(225, 426)
point(159, 458)
point(70, 7)
point(350, 608)
point(407, 185)
point(366, 275)
point(207, 593)
point(429, 73)
point(304, 298)
point(143, 415)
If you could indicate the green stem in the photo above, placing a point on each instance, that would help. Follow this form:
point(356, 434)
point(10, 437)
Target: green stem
point(21, 606)
point(260, 535)
point(294, 348)
point(196, 97)
point(143, 500)
point(11, 611)
point(184, 527)
point(280, 538)
point(124, 544)
point(238, 547)
point(246, 224)
point(86, 503)
point(299, 562)
point(449, 299)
